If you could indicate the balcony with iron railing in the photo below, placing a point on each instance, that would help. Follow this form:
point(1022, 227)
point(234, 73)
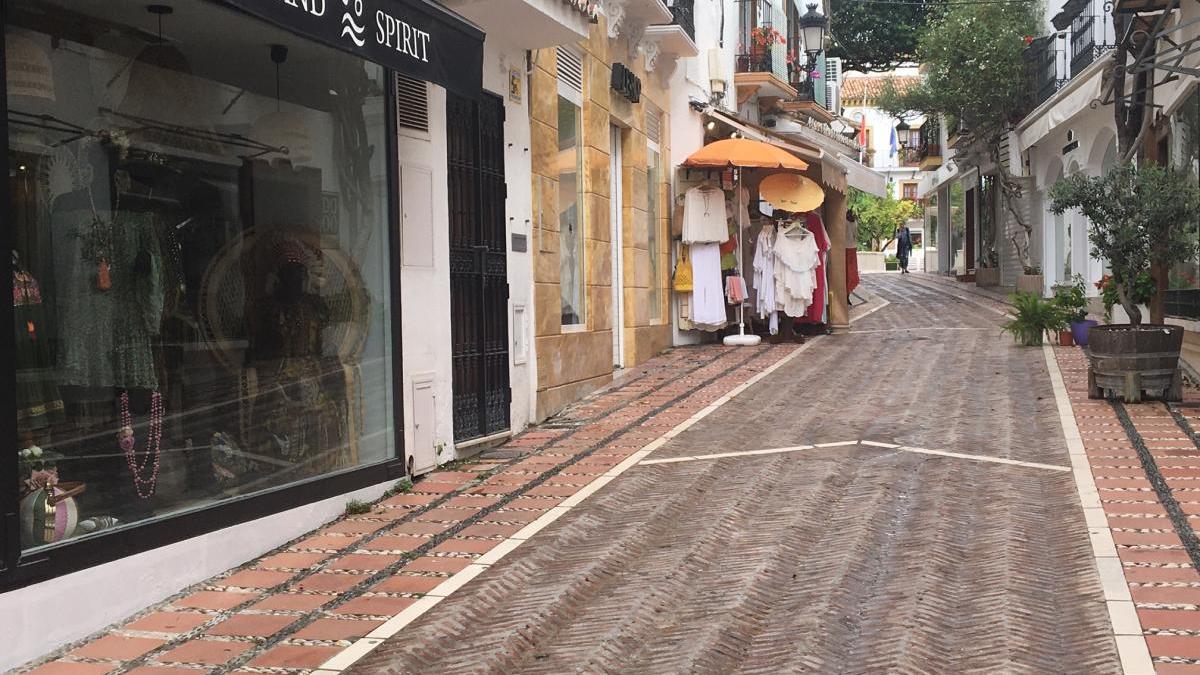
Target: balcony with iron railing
point(761, 64)
point(1042, 58)
point(1092, 36)
point(929, 155)
point(683, 15)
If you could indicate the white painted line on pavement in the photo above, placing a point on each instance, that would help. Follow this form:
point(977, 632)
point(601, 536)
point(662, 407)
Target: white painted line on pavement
point(985, 458)
point(348, 657)
point(869, 444)
point(1131, 643)
point(909, 330)
point(882, 303)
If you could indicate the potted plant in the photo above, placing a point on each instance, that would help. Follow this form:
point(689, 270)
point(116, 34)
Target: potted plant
point(891, 263)
point(1031, 280)
point(1035, 319)
point(1073, 302)
point(1143, 221)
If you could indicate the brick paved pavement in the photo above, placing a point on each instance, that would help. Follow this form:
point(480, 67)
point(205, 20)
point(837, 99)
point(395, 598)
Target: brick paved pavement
point(291, 610)
point(832, 560)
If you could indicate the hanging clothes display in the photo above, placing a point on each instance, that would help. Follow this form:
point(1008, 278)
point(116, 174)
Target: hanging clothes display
point(708, 296)
point(764, 277)
point(816, 310)
point(704, 220)
point(38, 402)
point(797, 259)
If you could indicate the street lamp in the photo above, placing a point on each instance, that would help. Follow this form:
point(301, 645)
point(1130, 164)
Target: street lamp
point(812, 28)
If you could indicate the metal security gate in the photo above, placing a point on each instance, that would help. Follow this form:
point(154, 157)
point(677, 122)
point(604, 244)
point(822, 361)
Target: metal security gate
point(478, 265)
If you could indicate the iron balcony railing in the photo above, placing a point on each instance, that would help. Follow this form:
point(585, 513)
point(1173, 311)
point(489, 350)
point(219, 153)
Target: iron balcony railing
point(1041, 62)
point(755, 24)
point(1091, 38)
point(929, 149)
point(683, 15)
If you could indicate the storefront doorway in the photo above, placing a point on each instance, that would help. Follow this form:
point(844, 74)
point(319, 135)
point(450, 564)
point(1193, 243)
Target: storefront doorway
point(478, 265)
point(479, 287)
point(618, 267)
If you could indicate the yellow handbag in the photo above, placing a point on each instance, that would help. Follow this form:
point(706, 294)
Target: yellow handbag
point(683, 271)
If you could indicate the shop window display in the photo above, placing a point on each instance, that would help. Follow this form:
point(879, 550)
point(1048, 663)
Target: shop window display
point(200, 264)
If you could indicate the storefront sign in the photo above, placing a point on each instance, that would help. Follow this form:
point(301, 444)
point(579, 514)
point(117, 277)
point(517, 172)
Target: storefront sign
point(415, 37)
point(625, 83)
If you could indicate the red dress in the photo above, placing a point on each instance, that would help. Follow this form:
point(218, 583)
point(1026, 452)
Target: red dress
point(816, 311)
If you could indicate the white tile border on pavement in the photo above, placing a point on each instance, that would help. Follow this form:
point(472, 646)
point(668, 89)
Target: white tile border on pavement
point(1127, 629)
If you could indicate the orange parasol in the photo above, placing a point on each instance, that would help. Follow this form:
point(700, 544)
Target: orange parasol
point(743, 153)
point(791, 192)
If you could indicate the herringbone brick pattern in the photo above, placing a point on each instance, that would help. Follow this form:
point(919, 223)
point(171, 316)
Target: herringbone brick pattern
point(860, 560)
point(291, 610)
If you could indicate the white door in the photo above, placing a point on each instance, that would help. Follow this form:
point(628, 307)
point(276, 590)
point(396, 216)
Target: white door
point(617, 315)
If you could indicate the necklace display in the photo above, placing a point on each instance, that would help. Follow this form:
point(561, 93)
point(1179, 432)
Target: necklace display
point(126, 440)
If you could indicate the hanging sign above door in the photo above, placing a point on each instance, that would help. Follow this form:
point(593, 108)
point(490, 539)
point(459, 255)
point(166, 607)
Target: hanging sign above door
point(418, 38)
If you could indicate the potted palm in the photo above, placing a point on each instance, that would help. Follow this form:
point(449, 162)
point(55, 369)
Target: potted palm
point(1035, 318)
point(1143, 221)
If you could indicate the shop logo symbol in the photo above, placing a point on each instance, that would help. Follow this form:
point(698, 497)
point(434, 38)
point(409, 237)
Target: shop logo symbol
point(351, 28)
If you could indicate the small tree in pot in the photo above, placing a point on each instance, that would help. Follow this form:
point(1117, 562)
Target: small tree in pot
point(1142, 219)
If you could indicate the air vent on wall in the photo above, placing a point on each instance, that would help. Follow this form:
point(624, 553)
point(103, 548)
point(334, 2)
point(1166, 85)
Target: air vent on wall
point(654, 120)
point(412, 103)
point(570, 74)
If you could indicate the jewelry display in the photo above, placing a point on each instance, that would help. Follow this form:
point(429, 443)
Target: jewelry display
point(127, 441)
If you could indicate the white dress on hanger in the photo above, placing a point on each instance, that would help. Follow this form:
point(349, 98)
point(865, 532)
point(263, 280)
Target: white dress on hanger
point(708, 295)
point(704, 216)
point(797, 258)
point(764, 276)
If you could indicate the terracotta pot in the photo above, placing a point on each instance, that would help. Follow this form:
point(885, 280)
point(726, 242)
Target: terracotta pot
point(1065, 339)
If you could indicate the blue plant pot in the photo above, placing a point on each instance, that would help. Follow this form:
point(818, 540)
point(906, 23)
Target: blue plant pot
point(1079, 331)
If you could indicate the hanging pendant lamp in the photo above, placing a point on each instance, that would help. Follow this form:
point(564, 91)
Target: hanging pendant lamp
point(30, 70)
point(281, 128)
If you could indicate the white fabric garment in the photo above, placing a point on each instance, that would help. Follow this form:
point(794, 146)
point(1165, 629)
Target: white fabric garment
point(708, 294)
point(704, 216)
point(764, 275)
point(796, 259)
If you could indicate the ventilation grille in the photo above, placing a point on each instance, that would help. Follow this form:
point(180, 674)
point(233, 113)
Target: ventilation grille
point(654, 122)
point(412, 103)
point(570, 70)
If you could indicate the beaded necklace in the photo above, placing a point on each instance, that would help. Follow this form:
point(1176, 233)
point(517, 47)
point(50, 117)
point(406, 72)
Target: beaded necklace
point(125, 438)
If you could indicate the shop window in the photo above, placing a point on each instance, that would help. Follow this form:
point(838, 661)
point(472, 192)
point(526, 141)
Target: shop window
point(570, 189)
point(931, 219)
point(201, 261)
point(1183, 298)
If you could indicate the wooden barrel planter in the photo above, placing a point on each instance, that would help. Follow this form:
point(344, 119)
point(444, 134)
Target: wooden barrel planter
point(1131, 361)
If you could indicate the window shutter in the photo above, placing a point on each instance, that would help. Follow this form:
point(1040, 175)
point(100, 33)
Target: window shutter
point(654, 120)
point(412, 103)
point(570, 75)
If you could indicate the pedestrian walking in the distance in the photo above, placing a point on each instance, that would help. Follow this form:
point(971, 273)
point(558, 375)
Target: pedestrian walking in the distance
point(904, 247)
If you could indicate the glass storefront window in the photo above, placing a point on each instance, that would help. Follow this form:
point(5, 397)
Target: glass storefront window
point(201, 268)
point(653, 191)
point(570, 216)
point(958, 226)
point(931, 220)
point(1185, 153)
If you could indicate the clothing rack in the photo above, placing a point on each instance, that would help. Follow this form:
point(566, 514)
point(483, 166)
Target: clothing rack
point(223, 138)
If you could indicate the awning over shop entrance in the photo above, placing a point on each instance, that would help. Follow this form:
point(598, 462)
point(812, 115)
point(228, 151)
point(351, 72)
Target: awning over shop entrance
point(837, 171)
point(418, 38)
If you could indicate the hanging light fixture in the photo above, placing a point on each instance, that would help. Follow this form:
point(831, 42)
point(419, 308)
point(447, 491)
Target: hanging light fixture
point(812, 28)
point(283, 129)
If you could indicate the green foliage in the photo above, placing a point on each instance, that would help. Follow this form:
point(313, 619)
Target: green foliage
point(872, 37)
point(1071, 299)
point(879, 217)
point(355, 507)
point(973, 67)
point(402, 486)
point(1035, 318)
point(1140, 216)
